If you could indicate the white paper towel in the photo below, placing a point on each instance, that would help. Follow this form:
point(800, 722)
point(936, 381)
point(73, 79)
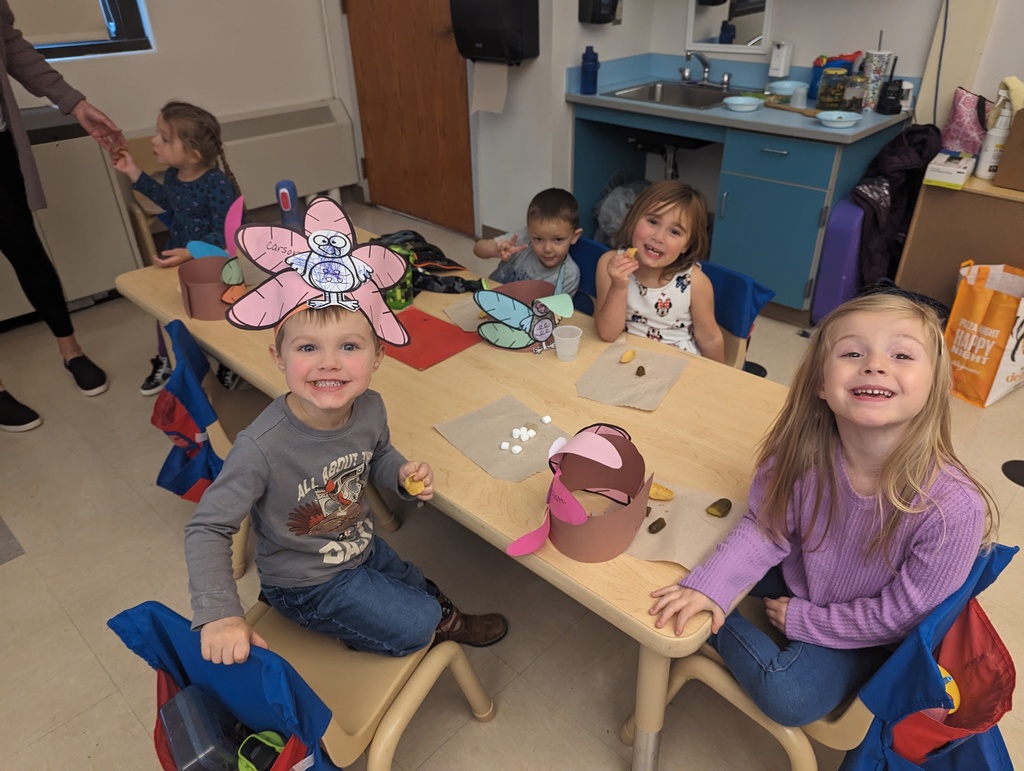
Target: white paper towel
point(490, 85)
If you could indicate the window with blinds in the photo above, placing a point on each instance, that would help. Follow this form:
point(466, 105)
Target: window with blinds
point(66, 28)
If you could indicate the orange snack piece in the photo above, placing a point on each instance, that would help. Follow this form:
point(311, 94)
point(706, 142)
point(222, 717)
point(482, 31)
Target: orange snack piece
point(413, 486)
point(661, 493)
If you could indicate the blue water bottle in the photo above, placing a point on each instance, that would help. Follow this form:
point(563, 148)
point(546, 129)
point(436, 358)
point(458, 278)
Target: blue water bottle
point(728, 33)
point(588, 73)
point(288, 201)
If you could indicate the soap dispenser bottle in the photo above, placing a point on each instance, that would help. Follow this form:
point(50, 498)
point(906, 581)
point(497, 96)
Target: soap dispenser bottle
point(995, 138)
point(588, 73)
point(727, 34)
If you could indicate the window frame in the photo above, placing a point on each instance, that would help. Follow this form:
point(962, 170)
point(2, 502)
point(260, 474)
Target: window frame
point(127, 16)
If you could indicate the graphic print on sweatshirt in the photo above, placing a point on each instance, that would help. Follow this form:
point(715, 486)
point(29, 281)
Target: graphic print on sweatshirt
point(336, 511)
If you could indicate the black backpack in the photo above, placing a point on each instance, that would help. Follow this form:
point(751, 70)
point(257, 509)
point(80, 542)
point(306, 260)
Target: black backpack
point(417, 250)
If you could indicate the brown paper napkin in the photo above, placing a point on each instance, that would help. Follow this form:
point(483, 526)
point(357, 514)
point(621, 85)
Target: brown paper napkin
point(465, 314)
point(690, 533)
point(479, 434)
point(610, 382)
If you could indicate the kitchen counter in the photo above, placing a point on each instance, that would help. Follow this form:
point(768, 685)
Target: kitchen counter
point(781, 172)
point(764, 120)
point(617, 74)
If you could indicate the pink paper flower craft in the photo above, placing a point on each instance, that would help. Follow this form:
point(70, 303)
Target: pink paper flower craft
point(322, 266)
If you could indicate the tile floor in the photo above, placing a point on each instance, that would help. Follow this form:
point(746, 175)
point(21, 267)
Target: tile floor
point(73, 697)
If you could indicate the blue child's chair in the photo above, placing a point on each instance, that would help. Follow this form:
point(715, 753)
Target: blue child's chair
point(183, 412)
point(907, 683)
point(738, 300)
point(361, 702)
point(585, 253)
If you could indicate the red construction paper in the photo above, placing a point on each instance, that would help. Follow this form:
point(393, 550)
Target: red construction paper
point(430, 340)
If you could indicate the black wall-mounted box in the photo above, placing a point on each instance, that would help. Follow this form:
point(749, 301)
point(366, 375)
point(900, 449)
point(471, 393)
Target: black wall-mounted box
point(496, 30)
point(597, 11)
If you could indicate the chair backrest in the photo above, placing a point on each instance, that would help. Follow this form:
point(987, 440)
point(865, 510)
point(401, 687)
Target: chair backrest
point(738, 298)
point(265, 693)
point(585, 253)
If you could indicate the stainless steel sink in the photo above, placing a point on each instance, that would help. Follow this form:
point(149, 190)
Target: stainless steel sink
point(675, 94)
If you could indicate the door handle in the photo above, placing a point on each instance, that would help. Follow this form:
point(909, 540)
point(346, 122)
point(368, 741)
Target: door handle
point(721, 209)
point(773, 151)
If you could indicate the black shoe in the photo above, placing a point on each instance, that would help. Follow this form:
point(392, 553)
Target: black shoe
point(89, 378)
point(15, 416)
point(228, 378)
point(160, 375)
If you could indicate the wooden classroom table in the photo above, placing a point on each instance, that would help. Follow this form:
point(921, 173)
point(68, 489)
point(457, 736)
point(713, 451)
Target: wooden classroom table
point(702, 436)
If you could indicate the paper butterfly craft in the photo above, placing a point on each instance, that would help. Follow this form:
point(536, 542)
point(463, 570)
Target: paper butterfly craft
point(519, 324)
point(322, 266)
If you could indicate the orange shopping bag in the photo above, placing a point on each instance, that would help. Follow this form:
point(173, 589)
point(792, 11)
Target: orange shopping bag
point(985, 333)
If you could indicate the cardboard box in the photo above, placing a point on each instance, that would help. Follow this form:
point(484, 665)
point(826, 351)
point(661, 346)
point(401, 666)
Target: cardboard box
point(950, 168)
point(1011, 166)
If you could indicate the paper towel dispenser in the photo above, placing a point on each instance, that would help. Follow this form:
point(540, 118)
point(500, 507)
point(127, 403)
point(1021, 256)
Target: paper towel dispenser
point(496, 30)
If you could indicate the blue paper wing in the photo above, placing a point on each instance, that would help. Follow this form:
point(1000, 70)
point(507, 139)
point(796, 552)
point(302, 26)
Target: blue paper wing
point(504, 336)
point(503, 308)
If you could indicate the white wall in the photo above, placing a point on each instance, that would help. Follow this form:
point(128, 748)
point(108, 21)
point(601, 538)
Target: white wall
point(528, 147)
point(1003, 53)
point(229, 56)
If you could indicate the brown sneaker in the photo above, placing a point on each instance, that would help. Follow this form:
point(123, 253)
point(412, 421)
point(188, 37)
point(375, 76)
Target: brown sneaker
point(478, 631)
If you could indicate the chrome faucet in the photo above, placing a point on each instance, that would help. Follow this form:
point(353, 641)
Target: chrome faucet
point(703, 63)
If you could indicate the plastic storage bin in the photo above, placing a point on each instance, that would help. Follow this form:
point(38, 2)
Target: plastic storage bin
point(203, 735)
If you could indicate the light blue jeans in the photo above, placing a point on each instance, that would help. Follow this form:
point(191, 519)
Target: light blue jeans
point(799, 683)
point(385, 605)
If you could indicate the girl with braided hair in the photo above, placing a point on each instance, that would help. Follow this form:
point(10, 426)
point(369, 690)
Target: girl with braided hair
point(197, 191)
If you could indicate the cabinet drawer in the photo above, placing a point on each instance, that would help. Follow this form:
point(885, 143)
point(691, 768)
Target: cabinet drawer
point(796, 161)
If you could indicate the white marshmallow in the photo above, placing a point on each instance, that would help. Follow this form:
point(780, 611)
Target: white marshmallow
point(516, 449)
point(531, 433)
point(516, 433)
point(546, 419)
point(504, 445)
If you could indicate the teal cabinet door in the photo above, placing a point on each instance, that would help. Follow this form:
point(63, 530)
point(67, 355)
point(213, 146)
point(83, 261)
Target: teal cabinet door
point(769, 231)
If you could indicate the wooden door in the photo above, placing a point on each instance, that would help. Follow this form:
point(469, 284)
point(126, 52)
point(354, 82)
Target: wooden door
point(413, 109)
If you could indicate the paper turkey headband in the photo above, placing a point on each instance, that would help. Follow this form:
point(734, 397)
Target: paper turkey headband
point(320, 267)
point(598, 459)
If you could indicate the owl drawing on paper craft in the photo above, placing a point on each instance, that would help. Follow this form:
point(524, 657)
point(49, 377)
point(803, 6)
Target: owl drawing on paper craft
point(330, 265)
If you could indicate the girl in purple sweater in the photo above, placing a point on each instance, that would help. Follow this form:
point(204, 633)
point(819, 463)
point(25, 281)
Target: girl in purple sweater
point(861, 518)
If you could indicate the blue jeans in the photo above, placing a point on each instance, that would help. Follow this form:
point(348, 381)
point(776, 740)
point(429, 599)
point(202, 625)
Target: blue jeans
point(799, 683)
point(383, 606)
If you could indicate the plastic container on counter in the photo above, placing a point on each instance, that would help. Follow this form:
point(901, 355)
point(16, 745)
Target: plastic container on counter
point(831, 88)
point(853, 93)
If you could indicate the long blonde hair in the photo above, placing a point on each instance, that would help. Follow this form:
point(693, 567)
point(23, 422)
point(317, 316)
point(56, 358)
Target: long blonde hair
point(804, 436)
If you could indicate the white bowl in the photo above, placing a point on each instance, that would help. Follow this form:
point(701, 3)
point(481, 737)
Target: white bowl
point(742, 103)
point(785, 87)
point(839, 118)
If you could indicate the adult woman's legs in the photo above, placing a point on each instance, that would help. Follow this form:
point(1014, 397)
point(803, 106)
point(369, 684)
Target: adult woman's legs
point(20, 243)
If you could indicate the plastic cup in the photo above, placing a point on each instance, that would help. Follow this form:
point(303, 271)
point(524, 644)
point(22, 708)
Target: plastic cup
point(567, 342)
point(876, 66)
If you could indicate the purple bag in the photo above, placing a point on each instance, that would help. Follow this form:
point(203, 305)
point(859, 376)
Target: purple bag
point(967, 122)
